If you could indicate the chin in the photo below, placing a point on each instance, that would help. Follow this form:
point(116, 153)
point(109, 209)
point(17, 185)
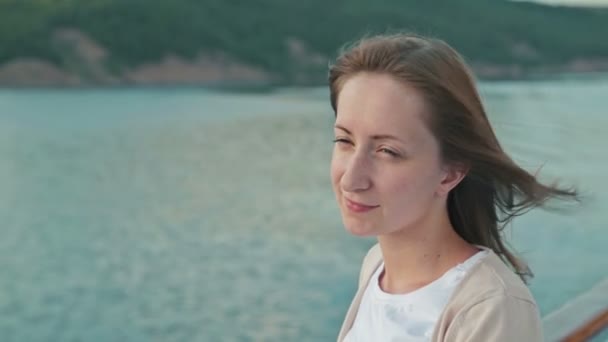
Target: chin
point(360, 230)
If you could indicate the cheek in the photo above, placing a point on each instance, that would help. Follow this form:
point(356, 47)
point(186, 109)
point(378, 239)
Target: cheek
point(413, 187)
point(336, 170)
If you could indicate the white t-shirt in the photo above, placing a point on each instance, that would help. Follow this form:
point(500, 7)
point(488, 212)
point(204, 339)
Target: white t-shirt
point(405, 317)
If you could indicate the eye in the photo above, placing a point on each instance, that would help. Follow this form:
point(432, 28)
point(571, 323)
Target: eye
point(389, 152)
point(341, 141)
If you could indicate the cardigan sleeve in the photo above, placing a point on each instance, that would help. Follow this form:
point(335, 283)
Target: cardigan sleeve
point(499, 318)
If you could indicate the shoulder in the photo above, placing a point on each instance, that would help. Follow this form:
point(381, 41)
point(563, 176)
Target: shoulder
point(491, 303)
point(499, 317)
point(491, 278)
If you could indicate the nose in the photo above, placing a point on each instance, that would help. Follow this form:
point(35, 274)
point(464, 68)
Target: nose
point(356, 176)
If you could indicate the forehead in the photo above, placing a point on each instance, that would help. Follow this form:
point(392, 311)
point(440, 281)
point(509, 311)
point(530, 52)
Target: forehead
point(371, 103)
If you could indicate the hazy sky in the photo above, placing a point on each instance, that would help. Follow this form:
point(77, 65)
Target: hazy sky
point(576, 2)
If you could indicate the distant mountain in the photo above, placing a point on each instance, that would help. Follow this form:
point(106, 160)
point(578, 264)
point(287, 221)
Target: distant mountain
point(116, 42)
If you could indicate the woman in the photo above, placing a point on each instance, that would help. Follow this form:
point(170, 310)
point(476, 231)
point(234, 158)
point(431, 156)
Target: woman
point(417, 165)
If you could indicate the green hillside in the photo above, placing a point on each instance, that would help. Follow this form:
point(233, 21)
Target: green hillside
point(294, 39)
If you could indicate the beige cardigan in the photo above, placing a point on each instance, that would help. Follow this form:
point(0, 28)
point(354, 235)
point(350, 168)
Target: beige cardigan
point(491, 304)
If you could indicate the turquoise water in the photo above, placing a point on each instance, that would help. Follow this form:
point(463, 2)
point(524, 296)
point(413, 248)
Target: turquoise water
point(189, 215)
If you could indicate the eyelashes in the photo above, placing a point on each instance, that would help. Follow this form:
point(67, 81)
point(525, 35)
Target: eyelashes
point(384, 150)
point(389, 152)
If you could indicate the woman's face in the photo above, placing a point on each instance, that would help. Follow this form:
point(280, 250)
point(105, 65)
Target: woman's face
point(386, 170)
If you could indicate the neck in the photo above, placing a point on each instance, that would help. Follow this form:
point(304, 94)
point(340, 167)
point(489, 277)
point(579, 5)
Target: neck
point(416, 256)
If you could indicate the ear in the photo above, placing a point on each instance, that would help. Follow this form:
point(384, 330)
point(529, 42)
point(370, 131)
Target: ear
point(452, 175)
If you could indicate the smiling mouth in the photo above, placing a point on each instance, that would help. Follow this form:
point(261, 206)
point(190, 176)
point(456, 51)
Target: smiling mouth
point(359, 207)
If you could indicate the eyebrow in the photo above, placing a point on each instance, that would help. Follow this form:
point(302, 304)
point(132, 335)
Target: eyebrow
point(374, 137)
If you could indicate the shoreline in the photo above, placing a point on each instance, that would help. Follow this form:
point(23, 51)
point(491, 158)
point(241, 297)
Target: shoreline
point(268, 87)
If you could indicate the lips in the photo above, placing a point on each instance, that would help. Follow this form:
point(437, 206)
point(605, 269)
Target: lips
point(358, 207)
